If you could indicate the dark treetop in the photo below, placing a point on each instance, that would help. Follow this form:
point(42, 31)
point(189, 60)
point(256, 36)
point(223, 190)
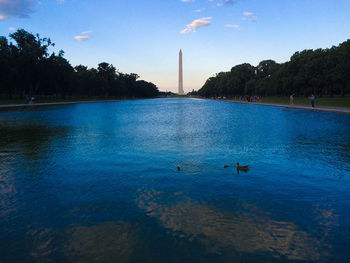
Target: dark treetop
point(324, 72)
point(27, 68)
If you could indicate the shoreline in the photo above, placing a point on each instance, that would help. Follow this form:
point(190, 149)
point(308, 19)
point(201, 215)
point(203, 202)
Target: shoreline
point(297, 107)
point(280, 105)
point(19, 106)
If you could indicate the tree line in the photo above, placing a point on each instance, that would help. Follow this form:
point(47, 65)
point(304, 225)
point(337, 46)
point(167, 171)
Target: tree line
point(323, 72)
point(27, 68)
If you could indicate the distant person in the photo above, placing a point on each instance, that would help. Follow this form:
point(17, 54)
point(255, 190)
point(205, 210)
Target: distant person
point(32, 99)
point(26, 99)
point(291, 100)
point(313, 98)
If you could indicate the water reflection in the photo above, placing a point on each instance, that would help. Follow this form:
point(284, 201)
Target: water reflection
point(104, 242)
point(69, 178)
point(247, 230)
point(327, 218)
point(8, 191)
point(30, 138)
point(43, 247)
point(22, 146)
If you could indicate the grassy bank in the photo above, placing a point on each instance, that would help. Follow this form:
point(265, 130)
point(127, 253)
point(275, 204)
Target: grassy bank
point(53, 100)
point(343, 102)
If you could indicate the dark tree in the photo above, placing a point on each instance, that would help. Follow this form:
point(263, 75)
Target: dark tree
point(27, 68)
point(324, 72)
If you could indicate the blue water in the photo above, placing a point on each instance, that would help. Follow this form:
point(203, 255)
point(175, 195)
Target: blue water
point(99, 183)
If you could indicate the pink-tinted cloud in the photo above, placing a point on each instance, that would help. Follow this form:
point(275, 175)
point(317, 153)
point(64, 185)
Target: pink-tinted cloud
point(198, 23)
point(83, 36)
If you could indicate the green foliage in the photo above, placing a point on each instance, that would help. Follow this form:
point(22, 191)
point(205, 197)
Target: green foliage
point(27, 68)
point(324, 72)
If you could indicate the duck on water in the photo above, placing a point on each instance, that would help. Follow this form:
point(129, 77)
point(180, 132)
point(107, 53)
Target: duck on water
point(244, 168)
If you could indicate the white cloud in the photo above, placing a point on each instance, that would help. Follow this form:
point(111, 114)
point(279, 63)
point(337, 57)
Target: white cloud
point(232, 26)
point(81, 38)
point(12, 29)
point(222, 3)
point(185, 31)
point(187, 1)
point(88, 32)
point(85, 35)
point(199, 10)
point(16, 8)
point(249, 16)
point(198, 23)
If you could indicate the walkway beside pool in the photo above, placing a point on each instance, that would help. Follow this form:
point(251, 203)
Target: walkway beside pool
point(298, 107)
point(16, 106)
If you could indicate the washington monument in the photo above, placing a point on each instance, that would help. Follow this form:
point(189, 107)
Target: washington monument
point(181, 84)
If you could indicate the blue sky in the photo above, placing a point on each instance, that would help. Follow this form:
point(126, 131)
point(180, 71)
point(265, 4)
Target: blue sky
point(144, 36)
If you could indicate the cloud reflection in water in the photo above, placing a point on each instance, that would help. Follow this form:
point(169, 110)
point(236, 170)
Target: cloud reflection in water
point(243, 231)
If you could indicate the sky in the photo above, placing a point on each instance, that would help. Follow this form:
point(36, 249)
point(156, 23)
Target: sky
point(145, 36)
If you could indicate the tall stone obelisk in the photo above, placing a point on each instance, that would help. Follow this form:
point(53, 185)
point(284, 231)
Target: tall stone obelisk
point(181, 84)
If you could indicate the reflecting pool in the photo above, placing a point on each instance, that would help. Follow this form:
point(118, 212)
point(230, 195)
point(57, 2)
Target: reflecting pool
point(99, 183)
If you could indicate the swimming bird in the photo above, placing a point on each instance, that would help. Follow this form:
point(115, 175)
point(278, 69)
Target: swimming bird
point(242, 167)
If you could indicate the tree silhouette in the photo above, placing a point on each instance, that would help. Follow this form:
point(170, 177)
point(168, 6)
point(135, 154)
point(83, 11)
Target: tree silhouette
point(27, 68)
point(325, 72)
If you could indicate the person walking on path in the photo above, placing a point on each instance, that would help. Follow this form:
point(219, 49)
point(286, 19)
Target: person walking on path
point(313, 98)
point(291, 100)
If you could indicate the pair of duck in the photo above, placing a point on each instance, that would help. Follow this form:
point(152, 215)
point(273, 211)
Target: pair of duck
point(239, 167)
